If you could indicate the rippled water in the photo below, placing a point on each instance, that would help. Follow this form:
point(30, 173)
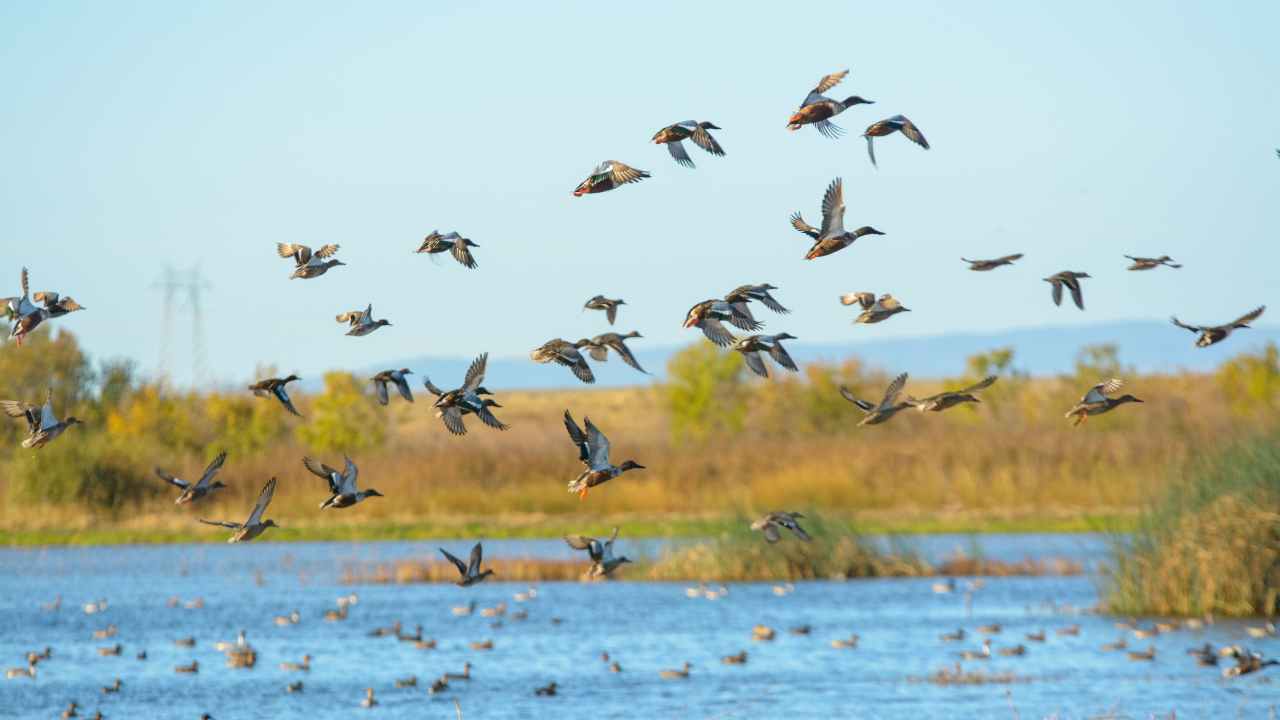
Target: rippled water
point(644, 626)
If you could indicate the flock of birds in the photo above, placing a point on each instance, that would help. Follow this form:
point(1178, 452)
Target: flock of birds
point(28, 311)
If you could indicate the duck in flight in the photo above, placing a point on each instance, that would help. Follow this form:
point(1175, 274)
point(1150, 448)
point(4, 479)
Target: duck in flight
point(469, 573)
point(255, 525)
point(599, 346)
point(951, 398)
point(610, 307)
point(361, 321)
point(43, 427)
point(275, 387)
point(740, 297)
point(1071, 281)
point(563, 352)
point(770, 523)
point(603, 562)
point(874, 309)
point(709, 316)
point(205, 486)
point(1144, 263)
point(308, 264)
point(817, 109)
point(607, 176)
point(888, 407)
point(392, 377)
point(452, 243)
point(832, 237)
point(1096, 402)
point(452, 405)
point(342, 485)
point(593, 451)
point(673, 135)
point(27, 316)
point(992, 264)
point(752, 346)
point(1214, 334)
point(897, 123)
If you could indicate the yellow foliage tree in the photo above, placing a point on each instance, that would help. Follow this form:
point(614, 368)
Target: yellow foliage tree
point(344, 418)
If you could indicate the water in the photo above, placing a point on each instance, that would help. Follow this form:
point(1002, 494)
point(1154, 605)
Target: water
point(644, 626)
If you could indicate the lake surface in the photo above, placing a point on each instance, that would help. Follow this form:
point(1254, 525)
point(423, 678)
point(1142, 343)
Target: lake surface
point(645, 627)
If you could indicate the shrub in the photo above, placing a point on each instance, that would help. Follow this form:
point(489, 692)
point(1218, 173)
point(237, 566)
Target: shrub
point(1251, 382)
point(344, 418)
point(86, 469)
point(706, 393)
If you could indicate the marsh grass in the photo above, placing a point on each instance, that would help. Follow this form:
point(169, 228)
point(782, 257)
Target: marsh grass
point(1210, 544)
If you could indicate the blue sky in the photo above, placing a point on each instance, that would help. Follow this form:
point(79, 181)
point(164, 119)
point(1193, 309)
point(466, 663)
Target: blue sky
point(141, 135)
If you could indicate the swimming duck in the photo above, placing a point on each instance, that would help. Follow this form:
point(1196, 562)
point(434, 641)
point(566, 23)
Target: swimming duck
point(392, 377)
point(739, 659)
point(1143, 263)
point(771, 521)
point(849, 643)
point(361, 321)
point(187, 642)
point(873, 310)
point(1267, 630)
point(751, 346)
point(429, 644)
point(28, 672)
point(1120, 644)
point(709, 315)
point(761, 633)
point(565, 353)
point(600, 345)
point(801, 630)
point(111, 650)
point(451, 406)
point(681, 674)
point(832, 237)
point(1204, 655)
point(70, 712)
point(743, 294)
point(275, 387)
point(254, 525)
point(897, 123)
point(452, 243)
point(193, 667)
point(292, 618)
point(205, 486)
point(1147, 655)
point(992, 629)
point(603, 563)
point(672, 135)
point(1071, 280)
point(983, 654)
point(112, 688)
point(609, 306)
point(342, 485)
point(593, 451)
point(1015, 651)
point(607, 176)
point(818, 109)
point(294, 687)
point(416, 637)
point(956, 636)
point(548, 690)
point(308, 264)
point(1036, 636)
point(1096, 402)
point(464, 675)
point(388, 631)
point(369, 700)
point(469, 573)
point(465, 610)
point(986, 265)
point(304, 666)
point(1213, 334)
point(43, 427)
point(951, 398)
point(888, 407)
point(1069, 630)
point(439, 686)
point(1248, 663)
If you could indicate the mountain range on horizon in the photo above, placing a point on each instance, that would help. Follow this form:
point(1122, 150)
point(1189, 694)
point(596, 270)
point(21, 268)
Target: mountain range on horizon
point(1145, 345)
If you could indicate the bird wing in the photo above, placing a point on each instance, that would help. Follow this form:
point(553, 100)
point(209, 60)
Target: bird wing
point(865, 299)
point(1010, 258)
point(402, 385)
point(781, 356)
point(680, 155)
point(49, 299)
point(321, 470)
point(1098, 393)
point(829, 81)
point(582, 370)
point(475, 373)
point(452, 418)
point(888, 302)
point(477, 555)
point(351, 317)
point(578, 437)
point(623, 174)
point(431, 388)
point(703, 139)
point(771, 535)
point(863, 404)
point(264, 500)
point(909, 129)
point(47, 418)
point(1174, 319)
point(222, 523)
point(611, 312)
point(25, 282)
point(871, 150)
point(212, 469)
point(598, 352)
point(755, 362)
point(716, 332)
point(171, 479)
point(1250, 316)
point(833, 209)
point(597, 445)
point(1057, 291)
point(486, 416)
point(1077, 294)
point(301, 254)
point(380, 388)
point(326, 250)
point(462, 254)
point(980, 385)
point(828, 129)
point(462, 568)
point(624, 352)
point(348, 479)
point(283, 396)
point(798, 223)
point(579, 542)
point(891, 392)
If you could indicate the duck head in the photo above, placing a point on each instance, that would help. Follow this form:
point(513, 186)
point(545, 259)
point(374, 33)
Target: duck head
point(583, 188)
point(630, 465)
point(292, 378)
point(406, 371)
point(217, 485)
point(633, 334)
point(856, 100)
point(268, 523)
point(382, 322)
point(784, 336)
point(482, 390)
point(866, 230)
point(967, 398)
point(696, 314)
point(73, 420)
point(1126, 398)
point(373, 493)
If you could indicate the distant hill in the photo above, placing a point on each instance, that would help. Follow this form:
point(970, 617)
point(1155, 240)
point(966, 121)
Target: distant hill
point(1146, 345)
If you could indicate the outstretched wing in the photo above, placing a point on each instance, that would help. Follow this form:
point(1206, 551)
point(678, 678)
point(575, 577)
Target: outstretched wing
point(475, 373)
point(301, 254)
point(865, 299)
point(486, 416)
point(326, 250)
point(1098, 393)
point(716, 332)
point(680, 155)
point(1057, 292)
point(212, 469)
point(829, 81)
point(703, 139)
point(380, 388)
point(1174, 319)
point(462, 568)
point(912, 132)
point(622, 174)
point(462, 254)
point(578, 437)
point(1250, 316)
point(171, 479)
point(980, 385)
point(833, 209)
point(431, 388)
point(264, 499)
point(781, 356)
point(624, 352)
point(755, 362)
point(452, 418)
point(891, 392)
point(597, 445)
point(477, 555)
point(222, 523)
point(798, 223)
point(863, 404)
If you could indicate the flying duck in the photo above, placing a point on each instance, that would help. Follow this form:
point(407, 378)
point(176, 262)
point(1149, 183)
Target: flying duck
point(204, 486)
point(610, 307)
point(342, 485)
point(1096, 402)
point(452, 243)
point(254, 525)
point(818, 109)
point(308, 264)
point(43, 427)
point(593, 451)
point(600, 551)
point(751, 346)
point(1143, 263)
point(451, 406)
point(1071, 280)
point(897, 123)
point(873, 310)
point(672, 135)
point(469, 573)
point(607, 176)
point(563, 352)
point(599, 346)
point(392, 377)
point(55, 305)
point(743, 294)
point(275, 387)
point(770, 523)
point(987, 265)
point(832, 237)
point(888, 407)
point(951, 398)
point(1213, 334)
point(709, 315)
point(361, 321)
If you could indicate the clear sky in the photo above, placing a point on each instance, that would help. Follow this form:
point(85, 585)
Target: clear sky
point(140, 135)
